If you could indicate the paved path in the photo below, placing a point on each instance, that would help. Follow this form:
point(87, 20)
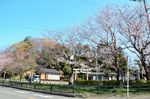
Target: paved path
point(10, 93)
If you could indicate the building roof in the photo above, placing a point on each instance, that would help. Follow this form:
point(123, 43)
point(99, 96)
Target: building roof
point(50, 71)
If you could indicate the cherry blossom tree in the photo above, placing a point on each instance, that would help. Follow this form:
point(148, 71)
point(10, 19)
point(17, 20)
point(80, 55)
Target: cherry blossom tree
point(102, 33)
point(136, 35)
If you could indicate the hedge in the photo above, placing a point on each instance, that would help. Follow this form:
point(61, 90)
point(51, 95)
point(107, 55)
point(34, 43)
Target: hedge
point(111, 82)
point(88, 82)
point(93, 82)
point(139, 82)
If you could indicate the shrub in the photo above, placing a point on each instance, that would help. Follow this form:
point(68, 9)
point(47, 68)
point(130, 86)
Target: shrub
point(93, 83)
point(110, 82)
point(137, 82)
point(88, 82)
point(133, 82)
point(142, 82)
point(148, 82)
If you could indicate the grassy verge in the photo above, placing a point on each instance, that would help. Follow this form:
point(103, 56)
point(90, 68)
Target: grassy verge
point(78, 89)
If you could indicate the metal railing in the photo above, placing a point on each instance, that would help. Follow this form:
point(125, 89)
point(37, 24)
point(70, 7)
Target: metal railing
point(65, 90)
point(73, 90)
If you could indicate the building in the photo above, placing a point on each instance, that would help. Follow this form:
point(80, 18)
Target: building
point(49, 74)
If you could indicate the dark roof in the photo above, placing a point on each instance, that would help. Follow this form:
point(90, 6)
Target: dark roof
point(50, 71)
point(38, 67)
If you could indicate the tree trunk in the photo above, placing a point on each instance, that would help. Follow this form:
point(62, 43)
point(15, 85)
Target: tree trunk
point(147, 71)
point(118, 74)
point(4, 76)
point(71, 78)
point(108, 77)
point(117, 67)
point(12, 74)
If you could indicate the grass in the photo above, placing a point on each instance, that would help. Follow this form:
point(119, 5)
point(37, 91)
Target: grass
point(99, 90)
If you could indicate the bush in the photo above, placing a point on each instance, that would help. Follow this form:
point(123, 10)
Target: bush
point(110, 82)
point(88, 82)
point(133, 82)
point(148, 82)
point(137, 82)
point(142, 82)
point(93, 83)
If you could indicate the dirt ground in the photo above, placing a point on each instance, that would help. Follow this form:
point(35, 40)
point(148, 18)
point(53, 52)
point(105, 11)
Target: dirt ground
point(123, 96)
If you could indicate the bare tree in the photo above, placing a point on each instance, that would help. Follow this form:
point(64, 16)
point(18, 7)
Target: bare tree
point(102, 33)
point(136, 37)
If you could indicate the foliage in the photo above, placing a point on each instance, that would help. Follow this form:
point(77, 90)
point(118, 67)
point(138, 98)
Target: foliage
point(93, 82)
point(138, 82)
point(67, 70)
point(141, 81)
point(21, 57)
point(88, 82)
point(110, 82)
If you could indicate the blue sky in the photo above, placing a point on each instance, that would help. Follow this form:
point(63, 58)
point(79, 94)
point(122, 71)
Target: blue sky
point(22, 18)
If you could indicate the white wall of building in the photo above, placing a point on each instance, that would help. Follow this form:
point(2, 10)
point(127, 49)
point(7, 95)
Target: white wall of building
point(53, 77)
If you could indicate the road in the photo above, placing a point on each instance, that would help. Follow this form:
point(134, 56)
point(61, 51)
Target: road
point(11, 93)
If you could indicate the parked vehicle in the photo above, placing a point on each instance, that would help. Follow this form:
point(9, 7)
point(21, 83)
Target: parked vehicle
point(36, 78)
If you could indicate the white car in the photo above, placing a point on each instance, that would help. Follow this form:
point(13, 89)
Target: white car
point(36, 78)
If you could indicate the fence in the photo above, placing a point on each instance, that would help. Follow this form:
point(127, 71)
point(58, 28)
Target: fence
point(100, 89)
point(65, 90)
point(72, 90)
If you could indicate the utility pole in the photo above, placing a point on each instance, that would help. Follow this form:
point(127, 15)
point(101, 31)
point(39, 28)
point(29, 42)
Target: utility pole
point(128, 78)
